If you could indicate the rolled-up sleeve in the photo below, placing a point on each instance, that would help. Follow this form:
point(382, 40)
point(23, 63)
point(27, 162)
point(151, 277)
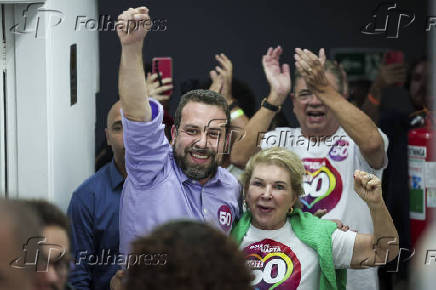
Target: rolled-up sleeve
point(147, 148)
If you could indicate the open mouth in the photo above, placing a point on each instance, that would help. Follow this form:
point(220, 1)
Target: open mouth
point(198, 157)
point(264, 209)
point(315, 116)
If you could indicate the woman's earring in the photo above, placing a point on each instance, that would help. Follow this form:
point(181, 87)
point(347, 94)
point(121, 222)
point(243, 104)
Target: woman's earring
point(291, 210)
point(245, 206)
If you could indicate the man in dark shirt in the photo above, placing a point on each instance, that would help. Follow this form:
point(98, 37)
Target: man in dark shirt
point(94, 211)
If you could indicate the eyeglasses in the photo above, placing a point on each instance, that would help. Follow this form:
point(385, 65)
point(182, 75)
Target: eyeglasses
point(305, 96)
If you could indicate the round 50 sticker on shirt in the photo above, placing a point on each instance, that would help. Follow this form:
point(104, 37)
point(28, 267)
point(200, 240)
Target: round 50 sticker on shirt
point(274, 265)
point(225, 217)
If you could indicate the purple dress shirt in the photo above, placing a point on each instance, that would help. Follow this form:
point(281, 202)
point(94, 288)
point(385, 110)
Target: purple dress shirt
point(157, 191)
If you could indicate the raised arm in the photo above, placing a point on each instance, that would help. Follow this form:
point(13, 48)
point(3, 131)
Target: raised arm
point(280, 85)
point(132, 28)
point(355, 122)
point(382, 246)
point(388, 75)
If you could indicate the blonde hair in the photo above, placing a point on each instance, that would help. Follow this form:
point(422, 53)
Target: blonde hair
point(280, 157)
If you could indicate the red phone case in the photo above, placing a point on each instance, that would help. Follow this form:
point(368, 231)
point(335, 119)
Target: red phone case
point(394, 56)
point(164, 65)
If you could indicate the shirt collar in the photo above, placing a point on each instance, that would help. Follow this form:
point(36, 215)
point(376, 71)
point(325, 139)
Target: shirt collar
point(116, 177)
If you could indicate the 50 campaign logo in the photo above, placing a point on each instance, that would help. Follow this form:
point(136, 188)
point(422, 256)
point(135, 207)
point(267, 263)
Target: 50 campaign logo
point(225, 217)
point(322, 185)
point(274, 265)
point(339, 151)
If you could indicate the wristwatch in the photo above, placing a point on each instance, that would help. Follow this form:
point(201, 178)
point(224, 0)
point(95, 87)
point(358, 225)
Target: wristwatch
point(270, 107)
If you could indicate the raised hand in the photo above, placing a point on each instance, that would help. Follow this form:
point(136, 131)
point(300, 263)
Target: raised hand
point(222, 76)
point(321, 56)
point(217, 82)
point(154, 89)
point(311, 68)
point(368, 187)
point(391, 74)
point(133, 25)
point(278, 77)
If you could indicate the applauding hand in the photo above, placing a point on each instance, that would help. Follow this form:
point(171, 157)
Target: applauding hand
point(311, 68)
point(222, 76)
point(278, 77)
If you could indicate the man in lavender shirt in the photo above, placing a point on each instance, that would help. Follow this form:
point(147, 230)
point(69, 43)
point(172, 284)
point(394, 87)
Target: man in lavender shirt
point(181, 180)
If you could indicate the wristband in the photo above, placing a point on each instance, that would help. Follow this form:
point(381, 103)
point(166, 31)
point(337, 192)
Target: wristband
point(236, 114)
point(269, 106)
point(373, 100)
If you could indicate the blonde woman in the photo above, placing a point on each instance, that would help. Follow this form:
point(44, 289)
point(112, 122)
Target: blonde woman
point(289, 249)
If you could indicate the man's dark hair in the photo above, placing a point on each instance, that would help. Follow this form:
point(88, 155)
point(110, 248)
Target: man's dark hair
point(201, 96)
point(49, 214)
point(189, 255)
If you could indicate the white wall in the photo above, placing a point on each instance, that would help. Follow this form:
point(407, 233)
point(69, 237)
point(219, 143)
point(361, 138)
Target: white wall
point(55, 140)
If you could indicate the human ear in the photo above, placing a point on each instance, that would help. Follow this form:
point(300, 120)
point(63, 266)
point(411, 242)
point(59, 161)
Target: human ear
point(173, 134)
point(108, 142)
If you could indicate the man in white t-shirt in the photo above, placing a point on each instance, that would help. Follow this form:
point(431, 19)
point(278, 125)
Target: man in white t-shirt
point(335, 139)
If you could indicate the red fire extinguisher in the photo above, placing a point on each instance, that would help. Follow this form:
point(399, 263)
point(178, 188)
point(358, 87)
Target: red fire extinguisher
point(422, 177)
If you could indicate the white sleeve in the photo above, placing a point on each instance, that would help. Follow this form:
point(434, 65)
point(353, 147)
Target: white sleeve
point(270, 139)
point(279, 137)
point(363, 164)
point(342, 248)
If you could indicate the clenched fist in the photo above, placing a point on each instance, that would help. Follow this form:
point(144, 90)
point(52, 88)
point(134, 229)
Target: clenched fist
point(369, 188)
point(133, 25)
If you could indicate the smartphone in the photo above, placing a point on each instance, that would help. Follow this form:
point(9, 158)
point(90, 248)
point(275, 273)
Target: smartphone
point(164, 67)
point(394, 56)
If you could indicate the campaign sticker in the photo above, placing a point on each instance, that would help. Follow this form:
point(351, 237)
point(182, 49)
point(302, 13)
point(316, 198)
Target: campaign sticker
point(339, 151)
point(225, 218)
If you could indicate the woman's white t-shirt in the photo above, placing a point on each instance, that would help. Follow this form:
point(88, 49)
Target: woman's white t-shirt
point(278, 258)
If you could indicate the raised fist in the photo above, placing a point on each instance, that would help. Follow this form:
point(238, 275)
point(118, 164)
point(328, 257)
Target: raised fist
point(133, 25)
point(368, 187)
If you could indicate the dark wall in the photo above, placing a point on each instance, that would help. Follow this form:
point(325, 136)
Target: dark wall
point(242, 29)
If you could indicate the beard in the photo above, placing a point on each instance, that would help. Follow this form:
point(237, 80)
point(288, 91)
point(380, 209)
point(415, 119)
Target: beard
point(196, 171)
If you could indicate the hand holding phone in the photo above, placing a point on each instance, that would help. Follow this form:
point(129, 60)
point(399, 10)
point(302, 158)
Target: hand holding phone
point(394, 66)
point(163, 67)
